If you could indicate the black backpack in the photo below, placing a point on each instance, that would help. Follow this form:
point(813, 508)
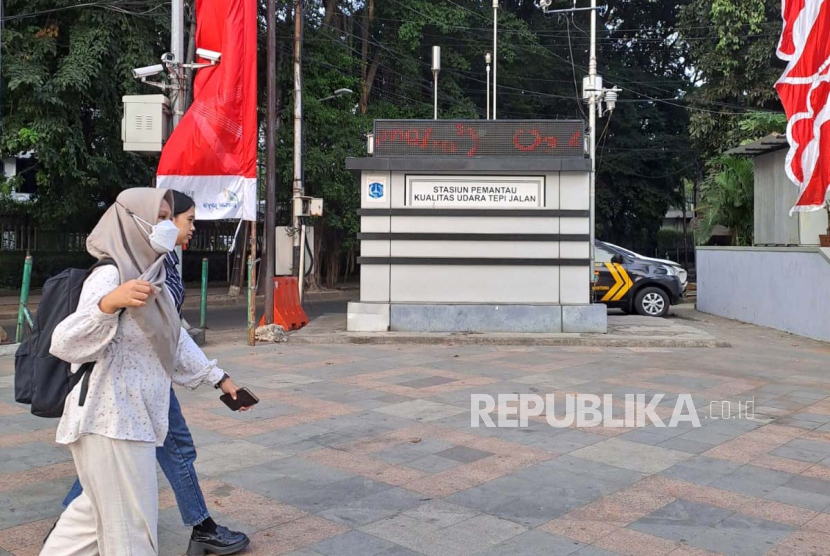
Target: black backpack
point(41, 379)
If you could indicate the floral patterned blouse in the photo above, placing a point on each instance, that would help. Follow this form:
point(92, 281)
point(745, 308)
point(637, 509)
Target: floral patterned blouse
point(129, 389)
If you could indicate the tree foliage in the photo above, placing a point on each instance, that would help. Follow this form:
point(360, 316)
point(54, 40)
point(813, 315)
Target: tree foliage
point(732, 48)
point(65, 69)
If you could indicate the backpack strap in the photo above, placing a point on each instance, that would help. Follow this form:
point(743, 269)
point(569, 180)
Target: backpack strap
point(85, 370)
point(100, 263)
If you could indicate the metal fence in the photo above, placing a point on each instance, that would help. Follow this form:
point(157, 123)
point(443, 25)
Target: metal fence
point(22, 235)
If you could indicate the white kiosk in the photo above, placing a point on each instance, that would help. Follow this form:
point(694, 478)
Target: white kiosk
point(475, 226)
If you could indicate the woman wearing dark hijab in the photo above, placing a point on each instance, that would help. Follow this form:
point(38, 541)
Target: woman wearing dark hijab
point(178, 455)
point(128, 324)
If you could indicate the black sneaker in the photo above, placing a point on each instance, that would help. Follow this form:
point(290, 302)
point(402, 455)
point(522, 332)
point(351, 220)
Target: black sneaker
point(222, 542)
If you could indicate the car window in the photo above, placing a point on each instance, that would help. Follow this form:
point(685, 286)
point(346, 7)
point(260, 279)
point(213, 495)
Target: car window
point(601, 255)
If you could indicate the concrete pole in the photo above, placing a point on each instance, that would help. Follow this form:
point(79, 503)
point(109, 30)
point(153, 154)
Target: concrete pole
point(177, 49)
point(270, 162)
point(495, 52)
point(179, 94)
point(298, 189)
point(592, 128)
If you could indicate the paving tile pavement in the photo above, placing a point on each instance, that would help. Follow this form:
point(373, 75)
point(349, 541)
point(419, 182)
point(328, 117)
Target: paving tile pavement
point(369, 450)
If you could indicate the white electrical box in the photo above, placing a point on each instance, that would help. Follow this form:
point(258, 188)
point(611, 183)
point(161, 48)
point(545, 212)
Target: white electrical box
point(308, 206)
point(146, 124)
point(285, 250)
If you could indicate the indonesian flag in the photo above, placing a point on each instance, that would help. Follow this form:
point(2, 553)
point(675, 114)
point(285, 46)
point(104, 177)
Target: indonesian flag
point(804, 90)
point(212, 153)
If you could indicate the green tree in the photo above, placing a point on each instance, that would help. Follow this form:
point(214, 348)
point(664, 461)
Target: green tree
point(65, 69)
point(727, 199)
point(732, 53)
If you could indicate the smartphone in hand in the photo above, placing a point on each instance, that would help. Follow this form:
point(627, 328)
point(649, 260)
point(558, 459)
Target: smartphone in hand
point(244, 398)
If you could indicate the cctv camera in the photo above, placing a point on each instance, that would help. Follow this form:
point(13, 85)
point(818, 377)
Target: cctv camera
point(211, 55)
point(168, 58)
point(147, 71)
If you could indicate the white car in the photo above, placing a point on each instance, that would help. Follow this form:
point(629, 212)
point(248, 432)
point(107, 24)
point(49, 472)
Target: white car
point(681, 272)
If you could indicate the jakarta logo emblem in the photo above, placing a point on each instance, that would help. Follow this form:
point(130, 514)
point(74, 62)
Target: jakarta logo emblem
point(376, 190)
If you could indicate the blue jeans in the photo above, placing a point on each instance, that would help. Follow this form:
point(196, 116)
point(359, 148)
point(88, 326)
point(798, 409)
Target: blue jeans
point(176, 459)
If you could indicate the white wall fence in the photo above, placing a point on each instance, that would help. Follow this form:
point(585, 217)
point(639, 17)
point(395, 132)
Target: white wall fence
point(787, 288)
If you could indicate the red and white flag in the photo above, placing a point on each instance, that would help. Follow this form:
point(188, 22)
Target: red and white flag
point(804, 89)
point(212, 153)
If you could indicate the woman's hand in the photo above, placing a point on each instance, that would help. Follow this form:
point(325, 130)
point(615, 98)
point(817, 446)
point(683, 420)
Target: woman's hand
point(134, 293)
point(229, 387)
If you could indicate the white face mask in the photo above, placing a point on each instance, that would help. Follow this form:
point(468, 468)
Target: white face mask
point(162, 236)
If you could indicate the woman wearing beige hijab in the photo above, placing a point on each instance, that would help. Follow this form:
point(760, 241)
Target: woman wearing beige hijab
point(127, 323)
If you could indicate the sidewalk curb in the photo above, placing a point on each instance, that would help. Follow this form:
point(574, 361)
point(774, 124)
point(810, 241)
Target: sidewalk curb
point(388, 338)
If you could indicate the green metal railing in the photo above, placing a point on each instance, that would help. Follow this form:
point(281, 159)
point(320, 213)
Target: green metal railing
point(23, 315)
point(203, 299)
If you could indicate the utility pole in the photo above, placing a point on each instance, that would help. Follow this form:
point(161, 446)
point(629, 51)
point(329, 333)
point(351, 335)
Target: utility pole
point(270, 162)
point(179, 94)
point(177, 49)
point(495, 52)
point(592, 129)
point(594, 93)
point(298, 189)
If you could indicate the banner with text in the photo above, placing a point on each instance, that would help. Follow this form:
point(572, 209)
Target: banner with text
point(212, 153)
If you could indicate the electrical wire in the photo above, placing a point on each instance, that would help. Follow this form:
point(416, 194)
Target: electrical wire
point(573, 68)
point(112, 6)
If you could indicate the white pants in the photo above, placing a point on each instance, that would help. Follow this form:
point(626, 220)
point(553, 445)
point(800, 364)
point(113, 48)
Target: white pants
point(117, 513)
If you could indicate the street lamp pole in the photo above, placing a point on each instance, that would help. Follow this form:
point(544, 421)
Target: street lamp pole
point(436, 69)
point(495, 52)
point(487, 59)
point(592, 128)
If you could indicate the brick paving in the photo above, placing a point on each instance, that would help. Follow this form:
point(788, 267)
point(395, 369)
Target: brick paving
point(368, 450)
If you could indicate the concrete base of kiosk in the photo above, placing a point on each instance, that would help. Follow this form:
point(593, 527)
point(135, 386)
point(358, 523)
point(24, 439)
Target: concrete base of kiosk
point(545, 319)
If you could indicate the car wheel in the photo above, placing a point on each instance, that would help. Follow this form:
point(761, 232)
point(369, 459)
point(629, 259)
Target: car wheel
point(652, 302)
